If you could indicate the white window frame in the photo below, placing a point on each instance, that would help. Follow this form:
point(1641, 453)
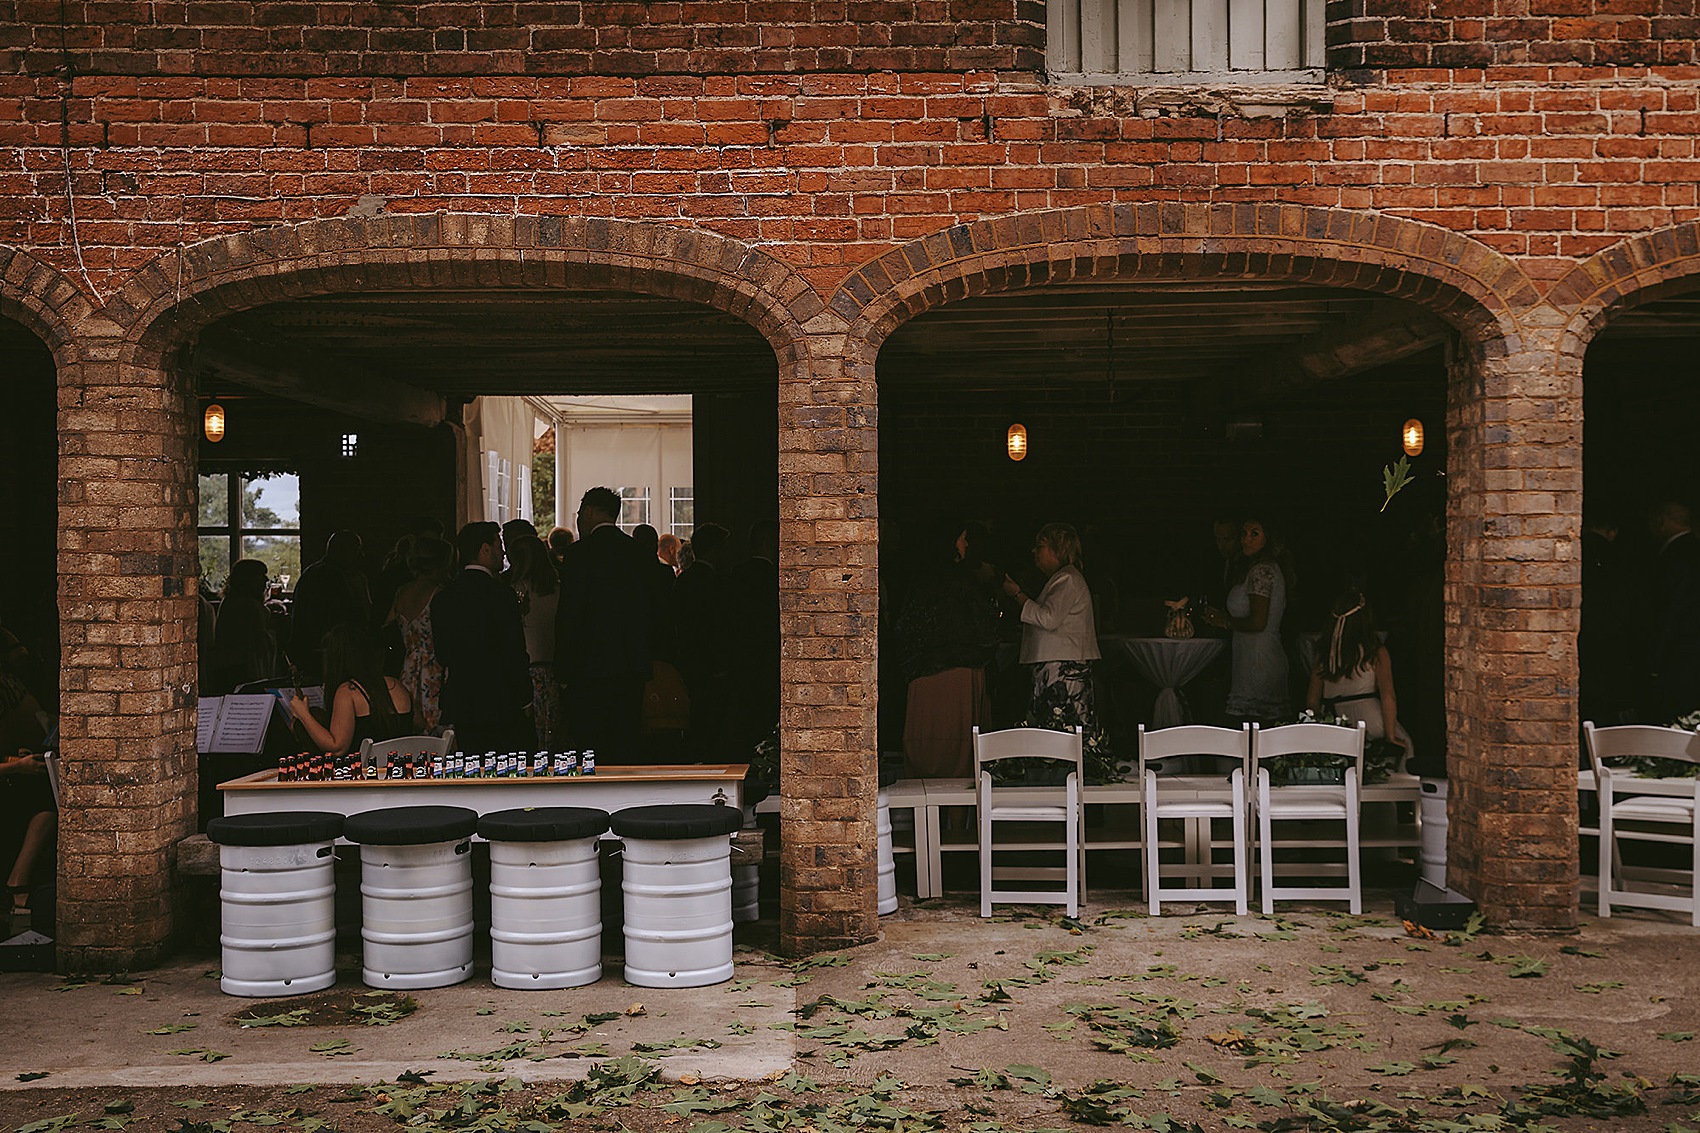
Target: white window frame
point(1122, 42)
point(234, 529)
point(677, 495)
point(633, 495)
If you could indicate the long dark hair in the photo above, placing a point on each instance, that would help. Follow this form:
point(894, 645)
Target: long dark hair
point(352, 657)
point(1274, 551)
point(1350, 639)
point(533, 566)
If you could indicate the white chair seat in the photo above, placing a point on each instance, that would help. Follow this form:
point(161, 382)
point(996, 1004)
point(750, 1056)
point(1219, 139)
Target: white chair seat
point(1300, 803)
point(1198, 809)
point(1029, 813)
point(1650, 808)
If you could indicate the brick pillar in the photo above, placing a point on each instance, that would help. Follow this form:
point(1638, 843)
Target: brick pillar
point(1513, 585)
point(128, 604)
point(828, 607)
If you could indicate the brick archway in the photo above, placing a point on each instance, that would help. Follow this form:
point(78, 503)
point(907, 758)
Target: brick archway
point(132, 716)
point(47, 302)
point(1510, 710)
point(1460, 279)
point(1631, 272)
point(180, 293)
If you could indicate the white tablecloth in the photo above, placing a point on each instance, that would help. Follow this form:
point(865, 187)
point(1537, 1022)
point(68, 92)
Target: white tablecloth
point(1169, 663)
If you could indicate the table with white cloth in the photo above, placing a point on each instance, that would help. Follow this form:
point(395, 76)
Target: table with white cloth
point(1169, 663)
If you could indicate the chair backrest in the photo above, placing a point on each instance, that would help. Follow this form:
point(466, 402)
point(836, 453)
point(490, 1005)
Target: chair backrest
point(51, 759)
point(1030, 743)
point(1305, 739)
point(1640, 740)
point(428, 747)
point(1192, 739)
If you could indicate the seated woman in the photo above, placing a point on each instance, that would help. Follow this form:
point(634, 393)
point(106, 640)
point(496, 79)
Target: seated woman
point(1354, 678)
point(27, 815)
point(354, 674)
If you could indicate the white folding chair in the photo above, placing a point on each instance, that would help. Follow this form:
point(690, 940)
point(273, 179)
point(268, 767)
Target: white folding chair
point(420, 747)
point(1665, 811)
point(51, 761)
point(1199, 800)
point(1049, 804)
point(1320, 802)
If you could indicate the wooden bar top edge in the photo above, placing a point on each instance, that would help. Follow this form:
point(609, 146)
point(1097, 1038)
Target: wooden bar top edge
point(267, 780)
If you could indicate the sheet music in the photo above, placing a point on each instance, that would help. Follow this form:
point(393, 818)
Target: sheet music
point(206, 716)
point(241, 726)
point(314, 695)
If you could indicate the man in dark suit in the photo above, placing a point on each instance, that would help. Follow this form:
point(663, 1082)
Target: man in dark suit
point(602, 632)
point(1674, 634)
point(480, 640)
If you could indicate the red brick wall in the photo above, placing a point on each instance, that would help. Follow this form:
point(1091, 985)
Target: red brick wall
point(828, 170)
point(452, 37)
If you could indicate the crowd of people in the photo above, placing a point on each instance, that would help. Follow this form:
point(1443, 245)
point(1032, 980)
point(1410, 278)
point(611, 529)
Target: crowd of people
point(637, 646)
point(977, 645)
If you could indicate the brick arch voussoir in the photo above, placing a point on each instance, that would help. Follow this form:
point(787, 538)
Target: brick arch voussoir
point(1639, 270)
point(172, 298)
point(46, 302)
point(1462, 280)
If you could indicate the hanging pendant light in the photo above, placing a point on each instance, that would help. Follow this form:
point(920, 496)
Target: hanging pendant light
point(212, 422)
point(1016, 441)
point(1412, 436)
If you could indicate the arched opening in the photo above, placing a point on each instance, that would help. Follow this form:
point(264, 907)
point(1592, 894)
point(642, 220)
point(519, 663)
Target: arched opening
point(29, 623)
point(1640, 404)
point(1036, 295)
point(362, 372)
point(383, 411)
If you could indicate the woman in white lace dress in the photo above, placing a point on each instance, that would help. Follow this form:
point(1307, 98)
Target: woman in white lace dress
point(1257, 601)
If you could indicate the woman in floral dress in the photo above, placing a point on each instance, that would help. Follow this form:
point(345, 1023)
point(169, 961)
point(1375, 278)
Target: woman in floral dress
point(431, 562)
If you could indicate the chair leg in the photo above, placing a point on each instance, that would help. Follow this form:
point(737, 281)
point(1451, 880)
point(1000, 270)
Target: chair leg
point(1608, 853)
point(1354, 855)
point(1694, 873)
point(1241, 867)
point(985, 867)
point(1266, 852)
point(1072, 873)
point(1153, 868)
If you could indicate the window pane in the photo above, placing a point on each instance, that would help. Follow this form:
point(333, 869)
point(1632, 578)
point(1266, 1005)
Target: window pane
point(634, 507)
point(215, 499)
point(280, 553)
point(682, 508)
point(215, 561)
point(272, 500)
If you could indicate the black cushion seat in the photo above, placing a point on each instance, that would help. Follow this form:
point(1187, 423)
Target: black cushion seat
point(283, 828)
point(411, 825)
point(677, 820)
point(543, 824)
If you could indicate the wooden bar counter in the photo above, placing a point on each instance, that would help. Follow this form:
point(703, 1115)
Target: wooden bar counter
point(610, 789)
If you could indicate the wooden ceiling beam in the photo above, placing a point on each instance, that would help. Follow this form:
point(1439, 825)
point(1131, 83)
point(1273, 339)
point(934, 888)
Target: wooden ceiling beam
point(222, 358)
point(1387, 332)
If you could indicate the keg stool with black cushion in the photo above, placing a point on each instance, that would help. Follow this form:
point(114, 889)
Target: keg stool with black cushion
point(545, 896)
point(415, 894)
point(677, 883)
point(277, 901)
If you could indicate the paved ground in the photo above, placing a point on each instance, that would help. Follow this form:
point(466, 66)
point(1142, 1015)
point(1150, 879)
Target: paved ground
point(1310, 1020)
